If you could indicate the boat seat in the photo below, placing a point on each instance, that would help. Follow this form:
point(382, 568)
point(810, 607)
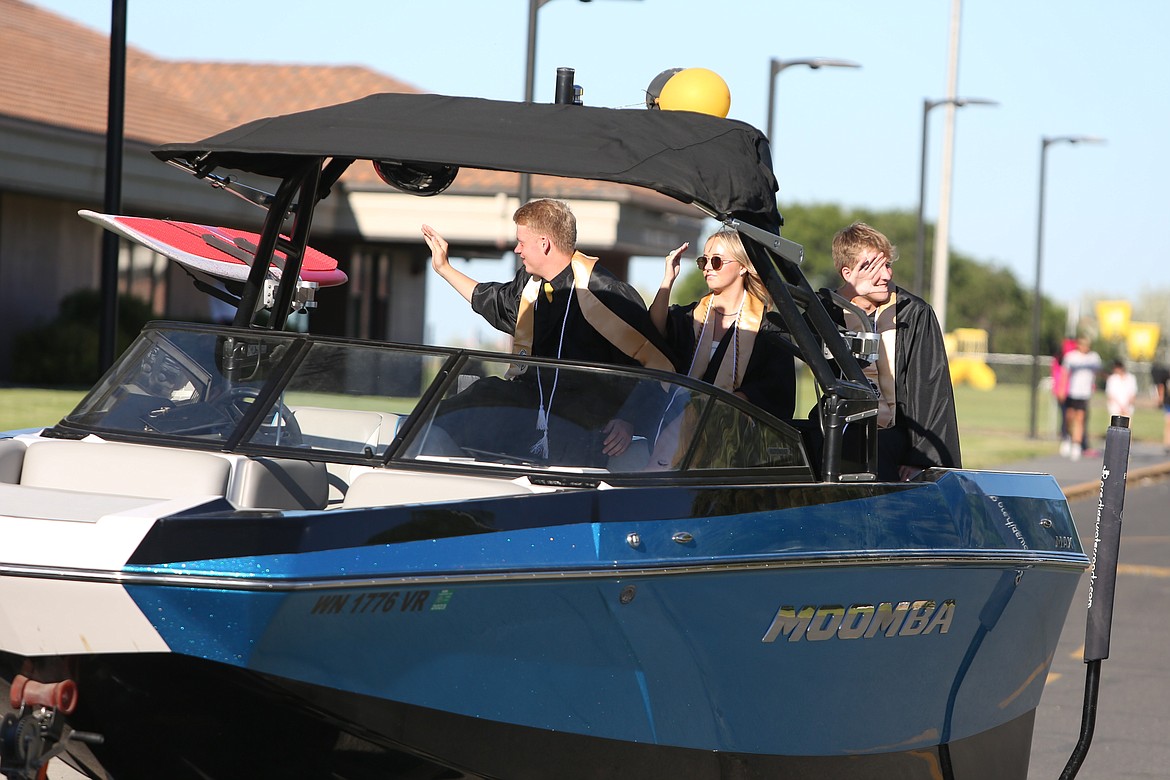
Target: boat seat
point(125, 469)
point(279, 483)
point(116, 468)
point(635, 458)
point(386, 487)
point(346, 430)
point(11, 460)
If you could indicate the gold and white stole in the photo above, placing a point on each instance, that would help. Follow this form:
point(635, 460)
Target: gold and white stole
point(612, 327)
point(747, 326)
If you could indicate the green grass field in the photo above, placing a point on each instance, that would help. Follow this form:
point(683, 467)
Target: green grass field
point(994, 423)
point(29, 407)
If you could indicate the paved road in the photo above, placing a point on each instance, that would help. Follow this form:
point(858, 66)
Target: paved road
point(1133, 718)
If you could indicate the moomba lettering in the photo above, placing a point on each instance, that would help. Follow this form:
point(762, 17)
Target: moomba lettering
point(861, 621)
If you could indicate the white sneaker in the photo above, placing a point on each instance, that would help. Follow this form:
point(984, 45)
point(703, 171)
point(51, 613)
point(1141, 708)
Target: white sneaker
point(1065, 447)
point(1075, 454)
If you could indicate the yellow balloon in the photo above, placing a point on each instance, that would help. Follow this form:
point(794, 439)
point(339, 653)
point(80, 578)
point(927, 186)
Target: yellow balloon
point(696, 89)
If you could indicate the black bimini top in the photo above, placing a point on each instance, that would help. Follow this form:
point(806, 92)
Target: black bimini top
point(720, 164)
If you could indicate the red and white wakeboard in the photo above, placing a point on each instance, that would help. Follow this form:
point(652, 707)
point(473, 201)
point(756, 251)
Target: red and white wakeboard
point(222, 252)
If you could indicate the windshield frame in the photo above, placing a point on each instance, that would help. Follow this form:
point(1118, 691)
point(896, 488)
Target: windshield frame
point(289, 351)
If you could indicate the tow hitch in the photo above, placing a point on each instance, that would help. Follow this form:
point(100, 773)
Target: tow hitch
point(36, 732)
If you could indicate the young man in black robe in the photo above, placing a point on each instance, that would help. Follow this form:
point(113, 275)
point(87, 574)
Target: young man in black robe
point(917, 426)
point(560, 304)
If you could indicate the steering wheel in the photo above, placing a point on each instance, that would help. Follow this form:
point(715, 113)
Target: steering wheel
point(235, 402)
point(279, 428)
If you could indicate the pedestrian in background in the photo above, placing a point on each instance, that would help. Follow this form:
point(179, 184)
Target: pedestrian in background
point(1120, 391)
point(1081, 365)
point(1060, 389)
point(1160, 374)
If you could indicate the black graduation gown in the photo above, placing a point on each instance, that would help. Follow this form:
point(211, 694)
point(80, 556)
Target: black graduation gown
point(924, 381)
point(499, 303)
point(925, 412)
point(579, 403)
point(769, 380)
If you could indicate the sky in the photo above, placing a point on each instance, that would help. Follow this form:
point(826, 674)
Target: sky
point(852, 137)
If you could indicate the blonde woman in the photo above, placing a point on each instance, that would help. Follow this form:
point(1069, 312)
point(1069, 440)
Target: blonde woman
point(725, 338)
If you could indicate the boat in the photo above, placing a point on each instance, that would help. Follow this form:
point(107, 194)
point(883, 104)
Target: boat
point(256, 552)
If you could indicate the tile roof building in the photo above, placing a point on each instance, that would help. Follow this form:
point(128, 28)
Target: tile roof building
point(53, 108)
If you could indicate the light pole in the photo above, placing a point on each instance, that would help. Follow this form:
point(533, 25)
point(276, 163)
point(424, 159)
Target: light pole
point(115, 122)
point(920, 247)
point(530, 80)
point(1045, 142)
point(940, 269)
point(529, 83)
point(815, 63)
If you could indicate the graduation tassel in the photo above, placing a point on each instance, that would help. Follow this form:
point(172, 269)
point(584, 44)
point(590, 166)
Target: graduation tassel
point(540, 449)
point(541, 446)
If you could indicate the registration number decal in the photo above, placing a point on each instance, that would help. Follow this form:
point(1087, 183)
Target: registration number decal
point(372, 602)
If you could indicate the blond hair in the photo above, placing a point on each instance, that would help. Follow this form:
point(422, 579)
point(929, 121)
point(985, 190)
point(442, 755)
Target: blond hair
point(552, 219)
point(850, 242)
point(734, 244)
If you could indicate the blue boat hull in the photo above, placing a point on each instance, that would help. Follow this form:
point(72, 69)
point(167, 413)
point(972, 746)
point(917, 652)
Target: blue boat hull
point(687, 662)
point(888, 634)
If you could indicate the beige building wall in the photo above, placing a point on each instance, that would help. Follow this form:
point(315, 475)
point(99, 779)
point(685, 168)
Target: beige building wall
point(46, 252)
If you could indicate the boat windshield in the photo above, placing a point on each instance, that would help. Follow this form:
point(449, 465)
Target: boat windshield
point(331, 399)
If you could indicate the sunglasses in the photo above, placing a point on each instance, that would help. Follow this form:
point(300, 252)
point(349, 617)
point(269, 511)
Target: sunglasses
point(715, 260)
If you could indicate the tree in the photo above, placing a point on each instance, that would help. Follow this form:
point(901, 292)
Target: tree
point(65, 351)
point(987, 297)
point(813, 227)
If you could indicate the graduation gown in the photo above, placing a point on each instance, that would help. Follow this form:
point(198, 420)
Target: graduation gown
point(579, 403)
point(499, 304)
point(769, 378)
point(925, 399)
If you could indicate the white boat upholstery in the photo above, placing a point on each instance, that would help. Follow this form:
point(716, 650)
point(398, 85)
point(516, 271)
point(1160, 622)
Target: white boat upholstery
point(125, 469)
point(344, 430)
point(635, 458)
point(11, 460)
point(116, 468)
point(388, 487)
point(347, 430)
point(279, 483)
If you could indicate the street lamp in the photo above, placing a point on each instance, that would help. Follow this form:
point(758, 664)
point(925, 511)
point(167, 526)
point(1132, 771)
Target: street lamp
point(920, 248)
point(1045, 142)
point(530, 82)
point(813, 62)
point(530, 79)
point(115, 122)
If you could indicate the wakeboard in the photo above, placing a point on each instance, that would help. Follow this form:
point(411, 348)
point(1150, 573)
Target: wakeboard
point(225, 253)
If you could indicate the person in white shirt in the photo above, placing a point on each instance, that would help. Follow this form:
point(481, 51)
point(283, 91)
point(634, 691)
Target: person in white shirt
point(1081, 365)
point(1120, 391)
